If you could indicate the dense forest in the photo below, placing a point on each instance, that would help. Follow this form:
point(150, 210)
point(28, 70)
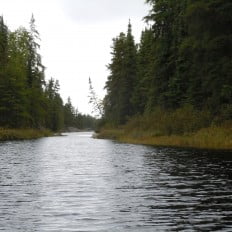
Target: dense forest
point(180, 72)
point(26, 99)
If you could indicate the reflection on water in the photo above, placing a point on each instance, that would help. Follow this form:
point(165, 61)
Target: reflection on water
point(76, 183)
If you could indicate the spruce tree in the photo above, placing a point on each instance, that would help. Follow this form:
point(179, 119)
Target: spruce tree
point(121, 81)
point(145, 71)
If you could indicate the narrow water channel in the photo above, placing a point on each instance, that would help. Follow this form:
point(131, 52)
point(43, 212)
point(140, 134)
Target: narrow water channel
point(77, 183)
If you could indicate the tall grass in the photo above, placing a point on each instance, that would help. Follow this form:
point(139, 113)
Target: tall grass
point(210, 138)
point(21, 134)
point(184, 127)
point(178, 122)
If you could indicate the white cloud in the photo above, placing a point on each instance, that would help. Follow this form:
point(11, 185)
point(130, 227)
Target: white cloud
point(93, 11)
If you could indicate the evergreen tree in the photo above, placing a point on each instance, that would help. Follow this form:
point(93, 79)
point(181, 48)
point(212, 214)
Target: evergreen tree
point(209, 47)
point(112, 101)
point(35, 78)
point(162, 16)
point(69, 114)
point(12, 103)
point(3, 43)
point(121, 81)
point(54, 106)
point(145, 71)
point(3, 74)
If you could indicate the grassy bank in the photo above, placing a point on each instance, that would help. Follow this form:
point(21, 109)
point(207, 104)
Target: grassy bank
point(21, 134)
point(209, 138)
point(184, 127)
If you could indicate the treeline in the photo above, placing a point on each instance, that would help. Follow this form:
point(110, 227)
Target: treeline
point(26, 99)
point(183, 61)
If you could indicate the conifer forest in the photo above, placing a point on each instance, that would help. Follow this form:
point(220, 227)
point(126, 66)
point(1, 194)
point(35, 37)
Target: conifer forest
point(182, 63)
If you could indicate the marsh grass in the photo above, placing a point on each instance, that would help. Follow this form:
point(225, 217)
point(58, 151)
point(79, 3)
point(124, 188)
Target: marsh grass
point(21, 134)
point(184, 127)
point(209, 138)
point(113, 133)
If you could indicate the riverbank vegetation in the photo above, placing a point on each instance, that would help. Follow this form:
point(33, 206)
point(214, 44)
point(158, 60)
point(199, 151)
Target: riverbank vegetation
point(27, 99)
point(184, 127)
point(175, 86)
point(22, 134)
point(206, 138)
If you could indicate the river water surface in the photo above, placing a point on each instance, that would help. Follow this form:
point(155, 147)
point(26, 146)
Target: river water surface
point(77, 183)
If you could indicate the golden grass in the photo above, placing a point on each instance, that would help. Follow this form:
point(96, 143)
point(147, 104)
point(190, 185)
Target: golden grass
point(209, 138)
point(183, 127)
point(110, 134)
point(21, 134)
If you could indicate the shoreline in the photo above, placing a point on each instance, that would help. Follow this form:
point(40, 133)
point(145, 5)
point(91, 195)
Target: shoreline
point(213, 138)
point(23, 134)
point(27, 134)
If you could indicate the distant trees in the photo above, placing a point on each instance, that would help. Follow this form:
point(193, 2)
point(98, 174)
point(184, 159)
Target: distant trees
point(184, 57)
point(26, 99)
point(72, 118)
point(54, 119)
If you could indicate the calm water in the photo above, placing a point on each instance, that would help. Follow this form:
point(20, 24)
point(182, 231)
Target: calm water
point(76, 183)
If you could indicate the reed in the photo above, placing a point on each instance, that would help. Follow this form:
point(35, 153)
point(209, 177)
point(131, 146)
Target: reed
point(22, 134)
point(207, 138)
point(110, 133)
point(184, 127)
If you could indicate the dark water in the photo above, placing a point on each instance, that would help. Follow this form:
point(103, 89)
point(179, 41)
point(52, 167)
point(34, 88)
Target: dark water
point(76, 183)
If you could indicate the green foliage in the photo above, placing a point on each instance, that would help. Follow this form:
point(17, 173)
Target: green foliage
point(54, 105)
point(26, 100)
point(74, 119)
point(121, 81)
point(183, 77)
point(145, 71)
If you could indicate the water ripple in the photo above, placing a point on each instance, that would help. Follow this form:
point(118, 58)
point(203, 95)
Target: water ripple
point(76, 183)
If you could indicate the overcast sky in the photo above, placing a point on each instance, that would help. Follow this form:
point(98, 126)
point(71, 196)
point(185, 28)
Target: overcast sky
point(76, 38)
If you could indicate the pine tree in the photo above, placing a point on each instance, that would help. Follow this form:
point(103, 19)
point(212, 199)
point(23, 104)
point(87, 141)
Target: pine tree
point(4, 97)
point(121, 81)
point(69, 114)
point(35, 78)
point(145, 71)
point(3, 43)
point(162, 16)
point(209, 49)
point(54, 106)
